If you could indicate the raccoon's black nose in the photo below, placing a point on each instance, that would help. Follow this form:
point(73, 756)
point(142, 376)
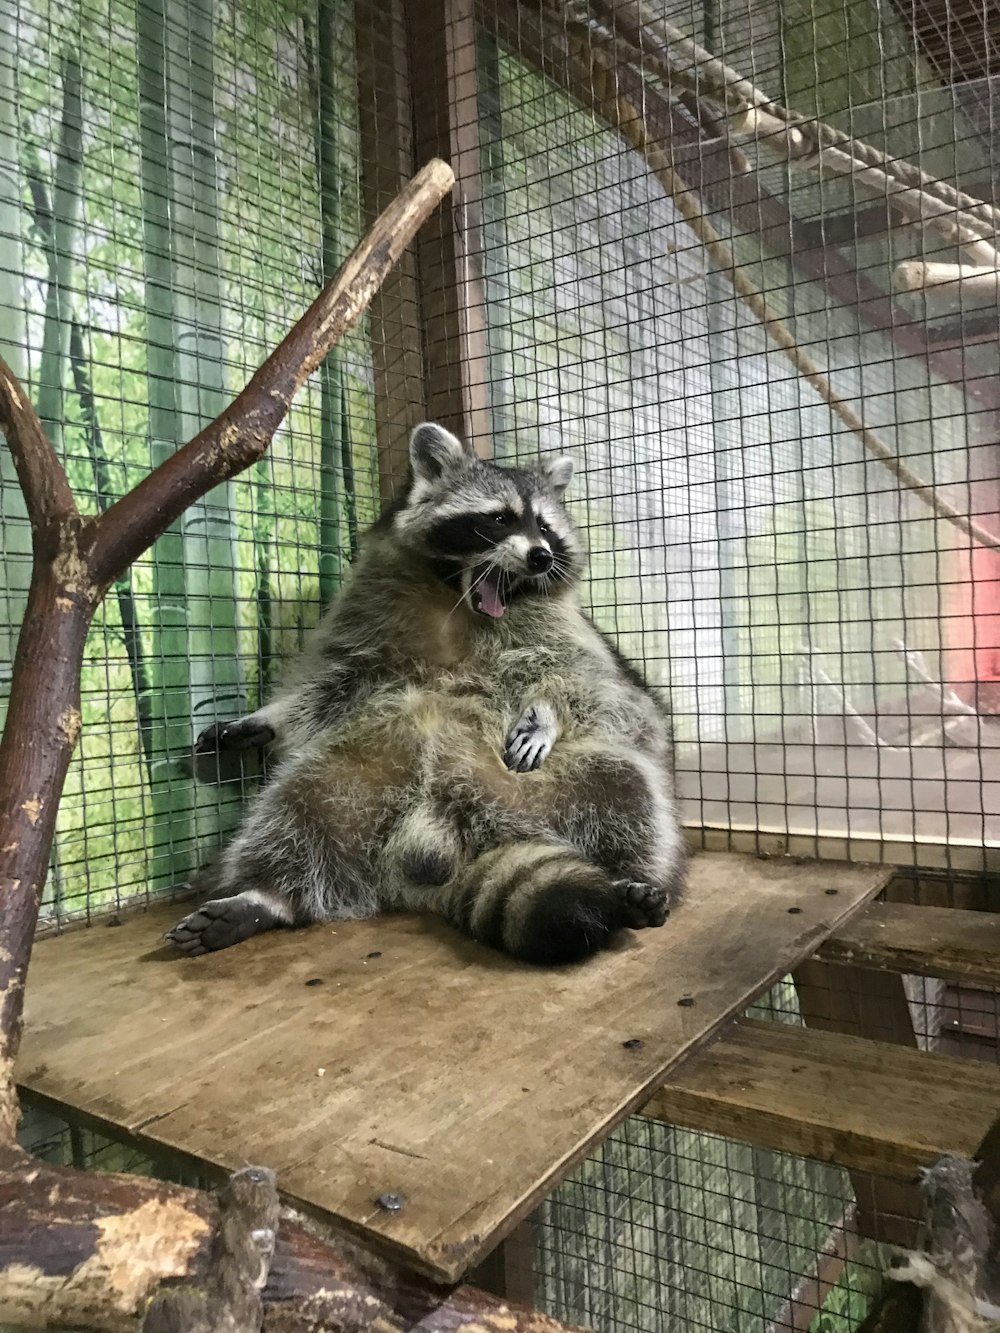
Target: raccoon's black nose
point(540, 559)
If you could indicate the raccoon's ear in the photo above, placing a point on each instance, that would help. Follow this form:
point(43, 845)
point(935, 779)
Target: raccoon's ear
point(557, 472)
point(434, 451)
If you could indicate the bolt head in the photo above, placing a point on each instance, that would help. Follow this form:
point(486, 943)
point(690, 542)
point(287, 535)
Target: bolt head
point(391, 1202)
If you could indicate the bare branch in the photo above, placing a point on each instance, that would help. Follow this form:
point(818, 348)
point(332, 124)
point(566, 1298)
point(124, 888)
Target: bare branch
point(241, 434)
point(43, 480)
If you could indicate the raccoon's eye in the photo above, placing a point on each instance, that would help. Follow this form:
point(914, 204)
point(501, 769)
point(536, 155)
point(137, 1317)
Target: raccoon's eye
point(543, 528)
point(502, 520)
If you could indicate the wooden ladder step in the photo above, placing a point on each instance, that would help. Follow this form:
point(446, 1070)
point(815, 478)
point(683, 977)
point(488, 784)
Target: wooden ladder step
point(946, 942)
point(860, 1104)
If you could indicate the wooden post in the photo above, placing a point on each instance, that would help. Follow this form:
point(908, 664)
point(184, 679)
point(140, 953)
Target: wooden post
point(442, 59)
point(866, 1003)
point(387, 161)
point(509, 1272)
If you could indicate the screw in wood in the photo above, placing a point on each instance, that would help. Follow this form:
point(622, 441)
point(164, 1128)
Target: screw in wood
point(391, 1202)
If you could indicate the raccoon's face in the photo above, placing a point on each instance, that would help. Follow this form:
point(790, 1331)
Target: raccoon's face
point(495, 534)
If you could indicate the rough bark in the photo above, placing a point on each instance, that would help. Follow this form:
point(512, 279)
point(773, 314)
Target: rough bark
point(95, 1252)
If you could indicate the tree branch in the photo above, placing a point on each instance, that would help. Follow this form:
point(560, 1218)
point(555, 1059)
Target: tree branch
point(46, 491)
point(239, 436)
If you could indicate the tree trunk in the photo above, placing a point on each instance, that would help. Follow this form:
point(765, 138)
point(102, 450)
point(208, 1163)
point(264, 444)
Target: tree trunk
point(43, 723)
point(75, 559)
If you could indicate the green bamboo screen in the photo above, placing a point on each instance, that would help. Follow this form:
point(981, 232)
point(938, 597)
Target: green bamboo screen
point(176, 180)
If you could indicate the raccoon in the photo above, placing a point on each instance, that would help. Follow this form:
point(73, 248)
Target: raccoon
point(458, 738)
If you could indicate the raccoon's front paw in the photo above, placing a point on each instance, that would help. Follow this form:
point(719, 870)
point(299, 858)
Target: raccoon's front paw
point(246, 733)
point(642, 904)
point(531, 739)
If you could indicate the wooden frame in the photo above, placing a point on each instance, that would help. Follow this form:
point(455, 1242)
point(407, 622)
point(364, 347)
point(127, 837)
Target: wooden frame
point(387, 159)
point(442, 57)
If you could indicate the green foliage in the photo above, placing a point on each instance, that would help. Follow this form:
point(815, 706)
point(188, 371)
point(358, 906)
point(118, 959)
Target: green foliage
point(850, 1300)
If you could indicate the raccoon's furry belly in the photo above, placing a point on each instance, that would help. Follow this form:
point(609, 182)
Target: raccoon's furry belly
point(415, 787)
point(420, 781)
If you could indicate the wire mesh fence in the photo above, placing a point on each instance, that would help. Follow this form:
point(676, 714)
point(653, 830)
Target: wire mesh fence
point(175, 183)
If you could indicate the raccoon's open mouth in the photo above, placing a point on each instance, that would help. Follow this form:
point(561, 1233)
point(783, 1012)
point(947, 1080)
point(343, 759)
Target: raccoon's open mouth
point(489, 591)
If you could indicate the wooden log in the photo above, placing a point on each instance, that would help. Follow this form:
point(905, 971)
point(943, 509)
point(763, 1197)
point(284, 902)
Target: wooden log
point(678, 60)
point(952, 280)
point(90, 1250)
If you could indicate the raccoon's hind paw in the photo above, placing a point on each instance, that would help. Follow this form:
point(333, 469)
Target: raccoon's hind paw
point(222, 922)
point(531, 739)
point(643, 904)
point(246, 733)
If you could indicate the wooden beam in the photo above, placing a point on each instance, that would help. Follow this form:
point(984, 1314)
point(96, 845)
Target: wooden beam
point(509, 1272)
point(863, 1105)
point(841, 1247)
point(864, 1003)
point(442, 61)
point(924, 941)
point(387, 157)
point(967, 332)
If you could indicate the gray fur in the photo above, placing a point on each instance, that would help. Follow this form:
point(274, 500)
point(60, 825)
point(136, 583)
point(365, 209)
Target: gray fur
point(484, 756)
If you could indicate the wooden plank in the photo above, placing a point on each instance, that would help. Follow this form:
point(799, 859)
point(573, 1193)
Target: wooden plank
point(859, 1001)
point(860, 1104)
point(423, 1064)
point(442, 59)
point(925, 941)
point(387, 161)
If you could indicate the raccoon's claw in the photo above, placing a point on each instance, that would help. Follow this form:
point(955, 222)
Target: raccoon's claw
point(243, 734)
point(643, 904)
point(531, 740)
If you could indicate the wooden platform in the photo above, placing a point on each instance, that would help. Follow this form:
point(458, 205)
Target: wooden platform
point(416, 1063)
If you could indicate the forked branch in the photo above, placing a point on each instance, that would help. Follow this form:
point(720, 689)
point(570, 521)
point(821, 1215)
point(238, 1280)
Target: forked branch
point(240, 435)
point(47, 493)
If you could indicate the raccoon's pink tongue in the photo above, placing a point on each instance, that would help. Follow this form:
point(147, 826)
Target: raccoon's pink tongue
point(486, 595)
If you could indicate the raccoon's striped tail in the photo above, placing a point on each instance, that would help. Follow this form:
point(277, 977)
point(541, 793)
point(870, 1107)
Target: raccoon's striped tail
point(545, 904)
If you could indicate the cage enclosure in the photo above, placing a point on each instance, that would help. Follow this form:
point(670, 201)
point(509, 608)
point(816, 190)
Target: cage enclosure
point(739, 260)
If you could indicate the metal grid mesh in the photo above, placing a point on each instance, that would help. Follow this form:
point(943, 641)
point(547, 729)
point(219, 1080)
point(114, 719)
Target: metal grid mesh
point(830, 647)
point(187, 244)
